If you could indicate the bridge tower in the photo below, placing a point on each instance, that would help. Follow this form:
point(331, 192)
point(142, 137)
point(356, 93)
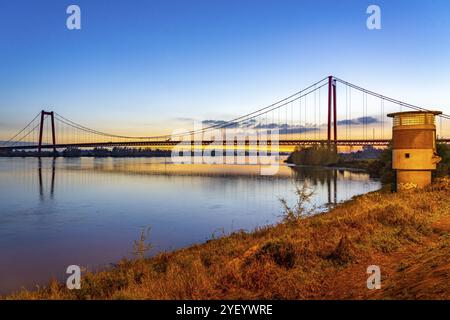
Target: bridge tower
point(41, 129)
point(332, 111)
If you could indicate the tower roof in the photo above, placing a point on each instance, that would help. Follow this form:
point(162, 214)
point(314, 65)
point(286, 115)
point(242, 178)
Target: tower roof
point(414, 112)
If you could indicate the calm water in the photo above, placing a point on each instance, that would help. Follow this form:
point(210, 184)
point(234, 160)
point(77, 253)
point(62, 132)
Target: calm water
point(88, 212)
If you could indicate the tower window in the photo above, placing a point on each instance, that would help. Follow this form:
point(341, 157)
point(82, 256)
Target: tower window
point(407, 155)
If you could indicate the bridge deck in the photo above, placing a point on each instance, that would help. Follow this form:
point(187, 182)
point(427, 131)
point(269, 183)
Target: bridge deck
point(167, 143)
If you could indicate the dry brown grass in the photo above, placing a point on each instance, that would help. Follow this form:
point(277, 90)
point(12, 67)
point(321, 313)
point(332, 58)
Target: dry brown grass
point(318, 257)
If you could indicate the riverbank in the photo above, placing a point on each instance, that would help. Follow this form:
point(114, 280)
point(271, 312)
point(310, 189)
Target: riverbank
point(319, 257)
point(377, 163)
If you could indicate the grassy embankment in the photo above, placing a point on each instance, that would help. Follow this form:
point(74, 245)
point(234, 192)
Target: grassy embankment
point(317, 257)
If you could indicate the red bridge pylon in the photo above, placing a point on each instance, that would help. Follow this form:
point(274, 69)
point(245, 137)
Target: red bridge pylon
point(332, 110)
point(41, 130)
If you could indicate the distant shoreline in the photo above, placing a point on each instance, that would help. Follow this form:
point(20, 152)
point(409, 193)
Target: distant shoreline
point(85, 156)
point(97, 153)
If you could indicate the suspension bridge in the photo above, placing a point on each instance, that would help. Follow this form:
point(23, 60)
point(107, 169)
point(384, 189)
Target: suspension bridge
point(309, 116)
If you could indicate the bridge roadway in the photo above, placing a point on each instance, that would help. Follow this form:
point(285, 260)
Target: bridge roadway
point(170, 143)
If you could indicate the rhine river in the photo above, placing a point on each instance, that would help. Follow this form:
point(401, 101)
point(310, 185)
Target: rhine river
point(88, 211)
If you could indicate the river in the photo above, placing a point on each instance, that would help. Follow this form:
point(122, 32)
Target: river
point(88, 211)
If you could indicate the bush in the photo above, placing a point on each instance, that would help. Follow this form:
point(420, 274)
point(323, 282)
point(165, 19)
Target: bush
point(443, 168)
point(280, 252)
point(299, 211)
point(314, 155)
point(344, 252)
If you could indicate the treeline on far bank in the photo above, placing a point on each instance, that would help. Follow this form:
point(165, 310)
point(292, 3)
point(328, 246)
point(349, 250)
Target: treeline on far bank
point(95, 152)
point(376, 162)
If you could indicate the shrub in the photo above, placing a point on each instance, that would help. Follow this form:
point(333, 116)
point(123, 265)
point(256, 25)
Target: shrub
point(443, 168)
point(344, 252)
point(280, 252)
point(314, 155)
point(293, 214)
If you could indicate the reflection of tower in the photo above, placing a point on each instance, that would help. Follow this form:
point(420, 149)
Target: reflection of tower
point(335, 186)
point(327, 178)
point(332, 191)
point(41, 184)
point(329, 189)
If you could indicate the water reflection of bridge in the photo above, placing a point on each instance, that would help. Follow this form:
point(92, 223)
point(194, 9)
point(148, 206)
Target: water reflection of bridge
point(326, 177)
point(41, 180)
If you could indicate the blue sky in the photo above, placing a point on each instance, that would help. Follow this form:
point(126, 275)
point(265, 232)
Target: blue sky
point(140, 67)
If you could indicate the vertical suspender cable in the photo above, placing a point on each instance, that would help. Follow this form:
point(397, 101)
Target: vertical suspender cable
point(318, 120)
